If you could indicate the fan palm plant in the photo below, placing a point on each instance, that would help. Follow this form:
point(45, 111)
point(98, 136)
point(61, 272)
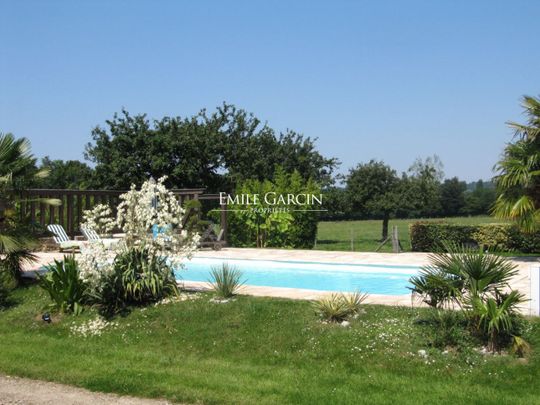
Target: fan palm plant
point(461, 271)
point(17, 170)
point(497, 316)
point(518, 178)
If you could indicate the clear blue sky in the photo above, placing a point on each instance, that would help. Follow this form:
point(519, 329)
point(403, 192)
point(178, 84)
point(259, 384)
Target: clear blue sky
point(391, 80)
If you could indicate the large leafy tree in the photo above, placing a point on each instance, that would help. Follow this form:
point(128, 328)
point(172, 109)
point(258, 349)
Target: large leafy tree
point(479, 199)
point(452, 197)
point(518, 177)
point(425, 176)
point(216, 151)
point(68, 174)
point(375, 189)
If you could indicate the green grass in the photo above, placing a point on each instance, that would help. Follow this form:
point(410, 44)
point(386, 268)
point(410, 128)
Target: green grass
point(336, 235)
point(259, 350)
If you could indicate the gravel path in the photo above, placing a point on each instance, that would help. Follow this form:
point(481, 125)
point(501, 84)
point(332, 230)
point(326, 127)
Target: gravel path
point(23, 391)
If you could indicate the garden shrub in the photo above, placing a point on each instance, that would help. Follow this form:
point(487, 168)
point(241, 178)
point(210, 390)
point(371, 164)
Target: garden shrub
point(286, 228)
point(139, 269)
point(137, 278)
point(65, 286)
point(448, 328)
point(429, 237)
point(473, 281)
point(6, 285)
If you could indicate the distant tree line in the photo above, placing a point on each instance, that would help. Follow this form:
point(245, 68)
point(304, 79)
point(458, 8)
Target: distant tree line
point(374, 190)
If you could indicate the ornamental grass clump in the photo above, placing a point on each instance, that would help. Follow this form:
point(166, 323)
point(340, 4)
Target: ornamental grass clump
point(339, 307)
point(226, 280)
point(137, 278)
point(64, 285)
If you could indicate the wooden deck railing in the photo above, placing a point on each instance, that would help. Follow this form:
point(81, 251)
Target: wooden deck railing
point(74, 202)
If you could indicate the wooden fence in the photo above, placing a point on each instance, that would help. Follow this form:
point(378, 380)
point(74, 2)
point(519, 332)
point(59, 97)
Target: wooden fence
point(74, 202)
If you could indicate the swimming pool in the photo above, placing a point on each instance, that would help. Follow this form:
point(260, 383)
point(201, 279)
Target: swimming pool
point(370, 278)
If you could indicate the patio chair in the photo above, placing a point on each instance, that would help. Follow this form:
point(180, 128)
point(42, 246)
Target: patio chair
point(209, 238)
point(90, 234)
point(62, 239)
point(93, 236)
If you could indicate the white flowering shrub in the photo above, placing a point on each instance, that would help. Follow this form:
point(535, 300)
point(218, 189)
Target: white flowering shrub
point(139, 268)
point(99, 219)
point(153, 217)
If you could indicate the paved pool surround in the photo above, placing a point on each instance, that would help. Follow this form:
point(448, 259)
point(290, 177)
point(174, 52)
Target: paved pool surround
point(521, 282)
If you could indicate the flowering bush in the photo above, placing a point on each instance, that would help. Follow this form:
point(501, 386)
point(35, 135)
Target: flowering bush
point(154, 245)
point(153, 217)
point(99, 219)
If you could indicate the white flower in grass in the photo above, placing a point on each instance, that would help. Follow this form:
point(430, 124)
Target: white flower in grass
point(93, 327)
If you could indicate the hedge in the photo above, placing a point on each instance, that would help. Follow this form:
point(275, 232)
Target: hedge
point(428, 237)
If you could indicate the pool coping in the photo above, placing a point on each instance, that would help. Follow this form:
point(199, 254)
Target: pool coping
point(522, 282)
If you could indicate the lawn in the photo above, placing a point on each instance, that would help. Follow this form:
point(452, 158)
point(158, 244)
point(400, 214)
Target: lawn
point(366, 235)
point(258, 350)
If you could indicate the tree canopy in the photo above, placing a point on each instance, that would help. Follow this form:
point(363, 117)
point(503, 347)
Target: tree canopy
point(212, 150)
point(65, 174)
point(375, 188)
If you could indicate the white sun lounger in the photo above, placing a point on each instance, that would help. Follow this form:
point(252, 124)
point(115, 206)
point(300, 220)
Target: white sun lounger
point(93, 236)
point(62, 239)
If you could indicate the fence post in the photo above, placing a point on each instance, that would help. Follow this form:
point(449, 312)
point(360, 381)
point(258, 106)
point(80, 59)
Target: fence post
point(71, 231)
point(534, 277)
point(224, 221)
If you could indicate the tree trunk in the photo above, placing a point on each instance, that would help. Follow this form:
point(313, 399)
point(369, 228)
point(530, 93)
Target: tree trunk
point(386, 219)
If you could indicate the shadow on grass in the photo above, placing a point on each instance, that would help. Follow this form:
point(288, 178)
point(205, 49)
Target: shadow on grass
point(329, 242)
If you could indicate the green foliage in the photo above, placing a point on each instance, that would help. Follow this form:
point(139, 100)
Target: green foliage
point(473, 280)
point(453, 197)
point(68, 174)
point(518, 178)
point(137, 278)
point(448, 328)
point(435, 286)
point(353, 301)
point(17, 171)
point(263, 224)
point(423, 190)
point(64, 285)
point(375, 188)
point(479, 200)
point(339, 307)
point(216, 151)
point(193, 218)
point(7, 284)
point(497, 317)
point(520, 347)
point(226, 280)
point(337, 204)
point(428, 236)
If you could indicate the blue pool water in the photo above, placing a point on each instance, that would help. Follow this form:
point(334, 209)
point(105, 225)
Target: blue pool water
point(373, 279)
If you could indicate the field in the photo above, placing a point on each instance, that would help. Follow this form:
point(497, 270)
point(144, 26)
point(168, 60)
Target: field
point(260, 350)
point(366, 235)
